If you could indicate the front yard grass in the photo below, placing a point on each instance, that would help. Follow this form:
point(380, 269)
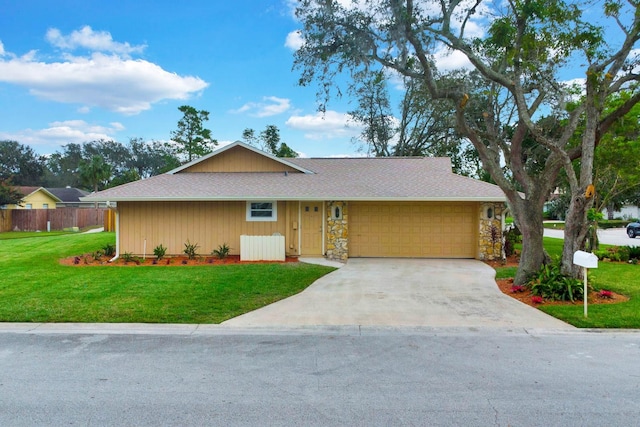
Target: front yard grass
point(618, 277)
point(34, 287)
point(10, 235)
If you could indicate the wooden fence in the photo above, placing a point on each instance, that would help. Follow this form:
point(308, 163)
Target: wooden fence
point(58, 219)
point(5, 220)
point(110, 220)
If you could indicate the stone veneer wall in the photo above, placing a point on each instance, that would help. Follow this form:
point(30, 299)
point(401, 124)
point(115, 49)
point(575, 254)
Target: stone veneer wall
point(490, 248)
point(337, 232)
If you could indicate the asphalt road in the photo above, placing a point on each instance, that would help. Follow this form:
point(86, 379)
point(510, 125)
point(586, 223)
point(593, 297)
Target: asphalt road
point(313, 377)
point(610, 236)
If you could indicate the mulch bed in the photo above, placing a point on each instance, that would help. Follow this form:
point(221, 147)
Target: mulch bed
point(505, 285)
point(174, 261)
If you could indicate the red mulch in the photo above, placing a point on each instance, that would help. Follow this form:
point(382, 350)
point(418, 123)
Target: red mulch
point(88, 260)
point(525, 296)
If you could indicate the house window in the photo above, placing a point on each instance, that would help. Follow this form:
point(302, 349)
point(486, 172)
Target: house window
point(262, 211)
point(27, 206)
point(45, 206)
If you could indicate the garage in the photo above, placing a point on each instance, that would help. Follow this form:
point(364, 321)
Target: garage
point(413, 229)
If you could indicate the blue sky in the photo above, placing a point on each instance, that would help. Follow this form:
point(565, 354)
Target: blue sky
point(75, 71)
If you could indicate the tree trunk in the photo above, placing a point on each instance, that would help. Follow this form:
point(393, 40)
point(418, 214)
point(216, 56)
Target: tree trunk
point(576, 225)
point(575, 232)
point(528, 217)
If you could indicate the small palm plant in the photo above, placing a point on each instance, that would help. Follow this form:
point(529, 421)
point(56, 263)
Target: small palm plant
point(159, 251)
point(222, 252)
point(191, 250)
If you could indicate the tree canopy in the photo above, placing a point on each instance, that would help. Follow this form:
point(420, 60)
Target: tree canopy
point(9, 195)
point(269, 141)
point(192, 138)
point(21, 163)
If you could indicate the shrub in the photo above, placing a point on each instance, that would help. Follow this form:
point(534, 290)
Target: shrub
point(552, 285)
point(605, 294)
point(159, 251)
point(618, 253)
point(537, 299)
point(191, 250)
point(96, 255)
point(634, 252)
point(128, 257)
point(623, 253)
point(109, 249)
point(518, 288)
point(511, 237)
point(612, 223)
point(222, 252)
point(601, 254)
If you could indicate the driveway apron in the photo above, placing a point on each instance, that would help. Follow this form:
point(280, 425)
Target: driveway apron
point(402, 292)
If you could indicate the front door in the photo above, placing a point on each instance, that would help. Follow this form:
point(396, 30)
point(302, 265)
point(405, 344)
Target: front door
point(311, 228)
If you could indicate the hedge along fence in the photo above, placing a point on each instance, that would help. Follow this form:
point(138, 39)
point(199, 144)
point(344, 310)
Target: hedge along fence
point(58, 219)
point(613, 223)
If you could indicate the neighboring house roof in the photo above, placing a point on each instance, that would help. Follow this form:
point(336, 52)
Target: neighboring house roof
point(68, 194)
point(381, 178)
point(27, 191)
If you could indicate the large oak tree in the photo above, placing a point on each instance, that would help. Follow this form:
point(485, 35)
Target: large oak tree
point(522, 56)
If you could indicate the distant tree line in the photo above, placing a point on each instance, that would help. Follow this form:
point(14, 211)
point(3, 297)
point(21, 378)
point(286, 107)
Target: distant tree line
point(96, 165)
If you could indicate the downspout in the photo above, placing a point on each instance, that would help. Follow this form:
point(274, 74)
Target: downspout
point(324, 221)
point(117, 255)
point(300, 228)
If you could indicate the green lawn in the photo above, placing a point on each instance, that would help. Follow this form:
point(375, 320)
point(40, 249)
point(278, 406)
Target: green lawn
point(618, 277)
point(10, 235)
point(34, 287)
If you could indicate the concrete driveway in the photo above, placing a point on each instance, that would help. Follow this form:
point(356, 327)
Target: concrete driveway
point(402, 292)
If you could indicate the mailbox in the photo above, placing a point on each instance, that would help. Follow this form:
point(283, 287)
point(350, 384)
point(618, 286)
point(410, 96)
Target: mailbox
point(585, 259)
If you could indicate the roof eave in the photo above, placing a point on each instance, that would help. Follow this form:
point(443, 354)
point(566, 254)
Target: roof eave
point(295, 198)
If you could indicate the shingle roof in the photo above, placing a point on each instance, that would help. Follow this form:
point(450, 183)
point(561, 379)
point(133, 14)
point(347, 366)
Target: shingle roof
point(388, 178)
point(26, 191)
point(68, 194)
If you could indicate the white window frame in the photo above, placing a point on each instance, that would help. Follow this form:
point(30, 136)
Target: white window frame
point(273, 210)
point(28, 206)
point(45, 206)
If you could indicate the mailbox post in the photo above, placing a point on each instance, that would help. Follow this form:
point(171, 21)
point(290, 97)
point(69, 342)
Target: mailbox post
point(585, 260)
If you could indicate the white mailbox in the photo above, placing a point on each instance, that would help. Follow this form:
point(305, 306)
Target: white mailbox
point(585, 259)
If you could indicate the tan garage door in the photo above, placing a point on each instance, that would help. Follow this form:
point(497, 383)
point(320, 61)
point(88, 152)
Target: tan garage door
point(403, 229)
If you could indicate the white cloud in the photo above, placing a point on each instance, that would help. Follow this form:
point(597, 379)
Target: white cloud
point(61, 133)
point(95, 41)
point(1, 48)
point(294, 40)
point(110, 81)
point(328, 125)
point(270, 106)
point(448, 60)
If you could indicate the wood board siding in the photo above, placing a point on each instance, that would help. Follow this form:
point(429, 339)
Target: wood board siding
point(238, 159)
point(37, 200)
point(209, 224)
point(413, 229)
